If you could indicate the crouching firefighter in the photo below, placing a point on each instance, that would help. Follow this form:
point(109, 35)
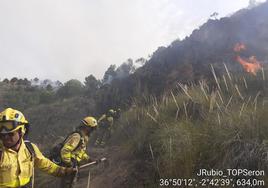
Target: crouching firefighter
point(73, 152)
point(18, 157)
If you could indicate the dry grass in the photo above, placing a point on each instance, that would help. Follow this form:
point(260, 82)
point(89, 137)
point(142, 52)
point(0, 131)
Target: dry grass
point(202, 128)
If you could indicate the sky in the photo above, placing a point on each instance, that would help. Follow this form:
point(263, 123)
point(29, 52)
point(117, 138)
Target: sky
point(71, 39)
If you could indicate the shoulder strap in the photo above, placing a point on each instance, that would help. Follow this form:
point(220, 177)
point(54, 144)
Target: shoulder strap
point(80, 141)
point(30, 148)
point(1, 150)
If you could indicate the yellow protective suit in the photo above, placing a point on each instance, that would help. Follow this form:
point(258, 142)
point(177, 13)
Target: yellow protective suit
point(16, 168)
point(74, 149)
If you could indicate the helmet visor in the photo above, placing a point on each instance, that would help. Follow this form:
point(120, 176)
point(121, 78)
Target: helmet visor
point(8, 126)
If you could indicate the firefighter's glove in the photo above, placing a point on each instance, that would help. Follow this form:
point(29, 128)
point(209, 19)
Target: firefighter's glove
point(70, 171)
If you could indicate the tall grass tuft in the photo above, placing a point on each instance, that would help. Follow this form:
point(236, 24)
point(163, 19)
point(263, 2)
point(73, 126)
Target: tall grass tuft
point(200, 127)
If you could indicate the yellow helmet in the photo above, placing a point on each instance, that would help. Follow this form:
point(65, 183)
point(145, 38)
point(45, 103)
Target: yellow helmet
point(89, 122)
point(111, 112)
point(12, 120)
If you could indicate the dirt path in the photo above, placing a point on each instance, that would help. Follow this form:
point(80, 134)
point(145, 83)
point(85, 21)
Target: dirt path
point(103, 176)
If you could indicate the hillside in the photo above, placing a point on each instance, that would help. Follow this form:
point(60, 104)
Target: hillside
point(188, 129)
point(191, 106)
point(189, 59)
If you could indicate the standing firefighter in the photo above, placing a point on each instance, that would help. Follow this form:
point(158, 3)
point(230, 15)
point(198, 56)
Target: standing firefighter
point(18, 157)
point(73, 151)
point(105, 126)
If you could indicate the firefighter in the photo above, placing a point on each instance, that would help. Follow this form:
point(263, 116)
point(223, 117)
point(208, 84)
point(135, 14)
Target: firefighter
point(105, 126)
point(117, 114)
point(19, 157)
point(73, 152)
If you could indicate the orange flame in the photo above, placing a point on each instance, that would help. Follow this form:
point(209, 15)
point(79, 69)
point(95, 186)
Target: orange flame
point(252, 65)
point(239, 47)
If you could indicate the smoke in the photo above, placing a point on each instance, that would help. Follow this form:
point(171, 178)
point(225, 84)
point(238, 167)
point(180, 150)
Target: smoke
point(64, 39)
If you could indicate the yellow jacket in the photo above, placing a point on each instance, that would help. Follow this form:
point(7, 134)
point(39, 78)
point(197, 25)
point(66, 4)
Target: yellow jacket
point(16, 168)
point(72, 150)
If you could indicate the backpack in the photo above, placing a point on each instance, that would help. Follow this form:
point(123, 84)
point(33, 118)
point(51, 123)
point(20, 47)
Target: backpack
point(54, 154)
